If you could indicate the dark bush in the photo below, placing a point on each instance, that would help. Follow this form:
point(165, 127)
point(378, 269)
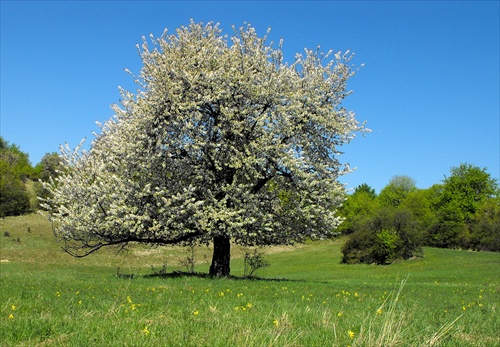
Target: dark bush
point(14, 198)
point(389, 235)
point(358, 248)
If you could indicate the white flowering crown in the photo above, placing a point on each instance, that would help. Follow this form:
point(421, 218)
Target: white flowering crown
point(222, 139)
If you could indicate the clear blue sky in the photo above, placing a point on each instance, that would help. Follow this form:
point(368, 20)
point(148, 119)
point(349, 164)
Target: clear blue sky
point(429, 89)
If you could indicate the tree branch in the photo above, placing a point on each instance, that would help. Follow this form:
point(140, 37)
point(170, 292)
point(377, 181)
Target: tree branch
point(89, 249)
point(260, 183)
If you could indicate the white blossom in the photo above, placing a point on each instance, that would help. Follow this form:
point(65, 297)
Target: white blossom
point(222, 139)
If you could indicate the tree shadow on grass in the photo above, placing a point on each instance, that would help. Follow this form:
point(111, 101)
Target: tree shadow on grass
point(184, 274)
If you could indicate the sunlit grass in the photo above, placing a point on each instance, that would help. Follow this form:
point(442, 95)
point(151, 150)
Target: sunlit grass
point(447, 298)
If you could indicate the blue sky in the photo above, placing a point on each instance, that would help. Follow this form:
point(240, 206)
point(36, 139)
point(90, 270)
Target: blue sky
point(429, 89)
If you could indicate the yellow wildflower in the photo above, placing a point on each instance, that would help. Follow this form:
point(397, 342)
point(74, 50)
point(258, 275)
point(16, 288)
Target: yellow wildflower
point(11, 316)
point(351, 334)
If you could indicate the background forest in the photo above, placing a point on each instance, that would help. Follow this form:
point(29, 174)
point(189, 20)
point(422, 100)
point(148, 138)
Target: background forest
point(462, 211)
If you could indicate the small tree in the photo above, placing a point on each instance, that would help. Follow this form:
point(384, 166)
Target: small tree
point(49, 166)
point(15, 169)
point(365, 188)
point(358, 208)
point(189, 260)
point(253, 262)
point(466, 188)
point(224, 142)
point(460, 198)
point(394, 193)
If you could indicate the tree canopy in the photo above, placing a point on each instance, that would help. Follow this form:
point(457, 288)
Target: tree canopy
point(460, 206)
point(223, 142)
point(397, 189)
point(15, 168)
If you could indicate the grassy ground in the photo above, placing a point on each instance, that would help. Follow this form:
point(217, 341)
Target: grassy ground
point(305, 298)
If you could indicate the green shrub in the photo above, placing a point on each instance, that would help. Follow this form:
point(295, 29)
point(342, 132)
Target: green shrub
point(358, 248)
point(253, 262)
point(389, 235)
point(14, 198)
point(386, 247)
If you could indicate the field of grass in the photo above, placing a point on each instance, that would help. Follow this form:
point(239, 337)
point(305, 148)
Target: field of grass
point(305, 298)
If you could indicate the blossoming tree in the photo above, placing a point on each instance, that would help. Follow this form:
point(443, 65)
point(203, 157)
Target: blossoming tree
point(223, 142)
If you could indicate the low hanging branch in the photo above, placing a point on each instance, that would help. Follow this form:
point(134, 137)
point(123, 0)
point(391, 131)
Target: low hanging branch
point(91, 248)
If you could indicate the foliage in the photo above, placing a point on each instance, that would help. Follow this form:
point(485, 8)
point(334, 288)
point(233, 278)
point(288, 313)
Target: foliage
point(359, 248)
point(357, 208)
point(14, 199)
point(365, 188)
point(387, 227)
point(419, 203)
point(398, 188)
point(16, 159)
point(15, 169)
point(389, 235)
point(466, 188)
point(459, 221)
point(485, 230)
point(253, 262)
point(49, 166)
point(385, 248)
point(463, 212)
point(223, 141)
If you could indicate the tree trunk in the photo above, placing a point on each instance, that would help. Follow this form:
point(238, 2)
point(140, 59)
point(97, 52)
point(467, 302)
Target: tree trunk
point(221, 258)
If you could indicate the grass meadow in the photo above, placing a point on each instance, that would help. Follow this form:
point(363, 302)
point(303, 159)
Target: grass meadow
point(305, 298)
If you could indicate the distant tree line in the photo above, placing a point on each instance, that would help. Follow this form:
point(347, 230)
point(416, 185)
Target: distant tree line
point(19, 180)
point(461, 212)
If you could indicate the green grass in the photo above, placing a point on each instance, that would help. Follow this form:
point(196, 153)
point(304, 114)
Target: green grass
point(47, 298)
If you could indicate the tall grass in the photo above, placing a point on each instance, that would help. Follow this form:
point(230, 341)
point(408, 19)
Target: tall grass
point(305, 298)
